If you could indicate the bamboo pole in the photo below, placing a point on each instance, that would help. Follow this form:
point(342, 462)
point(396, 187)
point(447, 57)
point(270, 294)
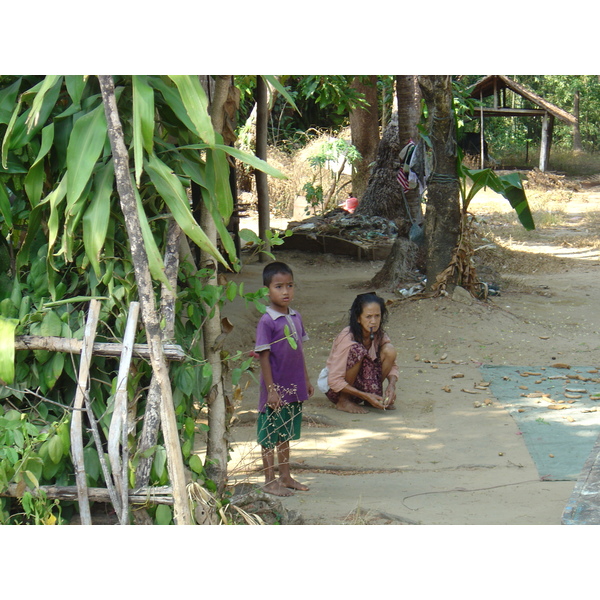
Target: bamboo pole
point(118, 425)
point(71, 346)
point(77, 419)
point(142, 495)
point(181, 508)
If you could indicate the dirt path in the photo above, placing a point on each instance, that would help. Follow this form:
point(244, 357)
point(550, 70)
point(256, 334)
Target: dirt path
point(445, 456)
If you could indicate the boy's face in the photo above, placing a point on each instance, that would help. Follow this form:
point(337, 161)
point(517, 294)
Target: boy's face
point(281, 291)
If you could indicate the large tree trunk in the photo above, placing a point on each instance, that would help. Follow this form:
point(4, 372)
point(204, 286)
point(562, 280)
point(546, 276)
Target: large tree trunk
point(364, 127)
point(409, 111)
point(160, 369)
point(443, 216)
point(216, 451)
point(385, 194)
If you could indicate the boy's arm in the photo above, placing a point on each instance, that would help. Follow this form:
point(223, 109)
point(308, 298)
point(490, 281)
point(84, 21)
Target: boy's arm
point(273, 399)
point(309, 386)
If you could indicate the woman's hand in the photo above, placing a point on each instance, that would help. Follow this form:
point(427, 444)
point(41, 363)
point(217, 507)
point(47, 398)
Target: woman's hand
point(374, 400)
point(390, 394)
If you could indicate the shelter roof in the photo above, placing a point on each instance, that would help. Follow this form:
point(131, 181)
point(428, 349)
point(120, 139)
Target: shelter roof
point(492, 84)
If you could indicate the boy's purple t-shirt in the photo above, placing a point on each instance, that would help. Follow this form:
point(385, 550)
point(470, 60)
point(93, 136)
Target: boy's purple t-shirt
point(287, 363)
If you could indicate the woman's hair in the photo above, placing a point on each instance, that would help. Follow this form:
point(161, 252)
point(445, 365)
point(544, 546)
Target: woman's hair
point(357, 309)
point(273, 269)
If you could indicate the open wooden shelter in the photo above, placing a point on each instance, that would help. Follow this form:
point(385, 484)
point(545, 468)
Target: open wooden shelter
point(496, 86)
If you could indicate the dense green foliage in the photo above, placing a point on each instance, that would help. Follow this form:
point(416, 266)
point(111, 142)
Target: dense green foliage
point(66, 242)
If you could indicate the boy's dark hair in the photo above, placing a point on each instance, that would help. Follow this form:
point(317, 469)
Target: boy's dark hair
point(356, 310)
point(273, 269)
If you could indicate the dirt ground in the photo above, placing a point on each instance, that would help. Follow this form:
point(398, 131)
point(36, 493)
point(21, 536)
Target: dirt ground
point(445, 456)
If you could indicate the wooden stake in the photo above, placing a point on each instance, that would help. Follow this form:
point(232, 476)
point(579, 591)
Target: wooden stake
point(77, 419)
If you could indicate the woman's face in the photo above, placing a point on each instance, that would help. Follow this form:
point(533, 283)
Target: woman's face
point(370, 318)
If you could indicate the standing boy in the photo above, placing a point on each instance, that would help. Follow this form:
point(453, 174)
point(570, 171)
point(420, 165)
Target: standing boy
point(284, 381)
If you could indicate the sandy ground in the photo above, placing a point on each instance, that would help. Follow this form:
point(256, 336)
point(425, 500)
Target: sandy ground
point(445, 456)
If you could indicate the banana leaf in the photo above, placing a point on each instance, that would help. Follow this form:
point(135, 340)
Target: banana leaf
point(510, 186)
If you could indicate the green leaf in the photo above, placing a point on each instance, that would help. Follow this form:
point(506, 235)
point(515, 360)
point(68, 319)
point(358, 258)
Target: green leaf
point(5, 209)
point(55, 449)
point(155, 261)
point(249, 236)
point(173, 193)
point(281, 89)
point(97, 216)
point(9, 133)
point(159, 462)
point(242, 156)
point(91, 463)
point(34, 183)
point(8, 97)
point(75, 86)
point(53, 369)
point(196, 464)
point(196, 105)
point(173, 99)
point(510, 186)
point(85, 146)
point(51, 325)
point(7, 349)
point(164, 514)
point(143, 122)
point(289, 338)
point(217, 177)
point(33, 119)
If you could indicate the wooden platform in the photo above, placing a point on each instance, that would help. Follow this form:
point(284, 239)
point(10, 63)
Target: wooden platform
point(583, 507)
point(329, 244)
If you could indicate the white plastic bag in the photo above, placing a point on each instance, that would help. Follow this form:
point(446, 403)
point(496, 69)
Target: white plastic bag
point(322, 382)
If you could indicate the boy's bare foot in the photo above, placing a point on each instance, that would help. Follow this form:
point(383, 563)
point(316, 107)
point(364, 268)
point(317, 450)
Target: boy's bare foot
point(350, 407)
point(277, 489)
point(289, 482)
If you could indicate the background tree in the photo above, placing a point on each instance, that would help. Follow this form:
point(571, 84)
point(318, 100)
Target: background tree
point(443, 215)
point(364, 128)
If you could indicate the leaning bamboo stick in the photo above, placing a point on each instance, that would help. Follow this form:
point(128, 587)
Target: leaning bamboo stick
point(118, 424)
point(77, 419)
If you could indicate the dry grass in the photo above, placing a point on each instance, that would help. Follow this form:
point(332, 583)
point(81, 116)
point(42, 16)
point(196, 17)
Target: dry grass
point(298, 172)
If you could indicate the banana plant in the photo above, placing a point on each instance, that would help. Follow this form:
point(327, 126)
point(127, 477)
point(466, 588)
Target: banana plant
point(508, 185)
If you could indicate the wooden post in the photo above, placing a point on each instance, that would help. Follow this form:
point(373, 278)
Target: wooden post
point(481, 135)
point(262, 188)
point(77, 419)
point(547, 126)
